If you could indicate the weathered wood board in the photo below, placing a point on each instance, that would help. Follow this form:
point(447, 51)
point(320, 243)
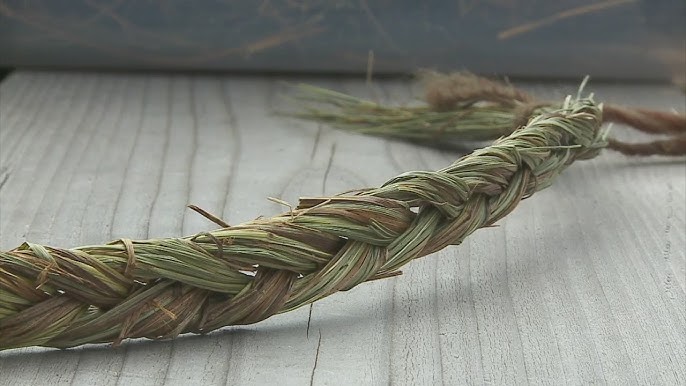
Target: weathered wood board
point(583, 283)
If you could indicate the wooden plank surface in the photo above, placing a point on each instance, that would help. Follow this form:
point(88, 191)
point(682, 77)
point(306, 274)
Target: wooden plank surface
point(584, 283)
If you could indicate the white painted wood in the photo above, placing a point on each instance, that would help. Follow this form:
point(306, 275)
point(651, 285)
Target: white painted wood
point(583, 284)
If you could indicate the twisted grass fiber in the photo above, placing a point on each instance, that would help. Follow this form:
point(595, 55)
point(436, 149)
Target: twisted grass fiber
point(246, 273)
point(446, 92)
point(464, 107)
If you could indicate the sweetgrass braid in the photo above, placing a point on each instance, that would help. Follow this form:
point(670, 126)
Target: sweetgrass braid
point(248, 272)
point(461, 107)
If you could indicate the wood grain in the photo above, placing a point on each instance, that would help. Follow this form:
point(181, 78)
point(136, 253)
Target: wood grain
point(583, 284)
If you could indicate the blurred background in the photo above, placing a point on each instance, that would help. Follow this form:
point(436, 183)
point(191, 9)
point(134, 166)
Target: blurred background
point(615, 39)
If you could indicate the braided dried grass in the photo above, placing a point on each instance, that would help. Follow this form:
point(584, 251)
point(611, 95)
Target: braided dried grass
point(462, 107)
point(245, 273)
